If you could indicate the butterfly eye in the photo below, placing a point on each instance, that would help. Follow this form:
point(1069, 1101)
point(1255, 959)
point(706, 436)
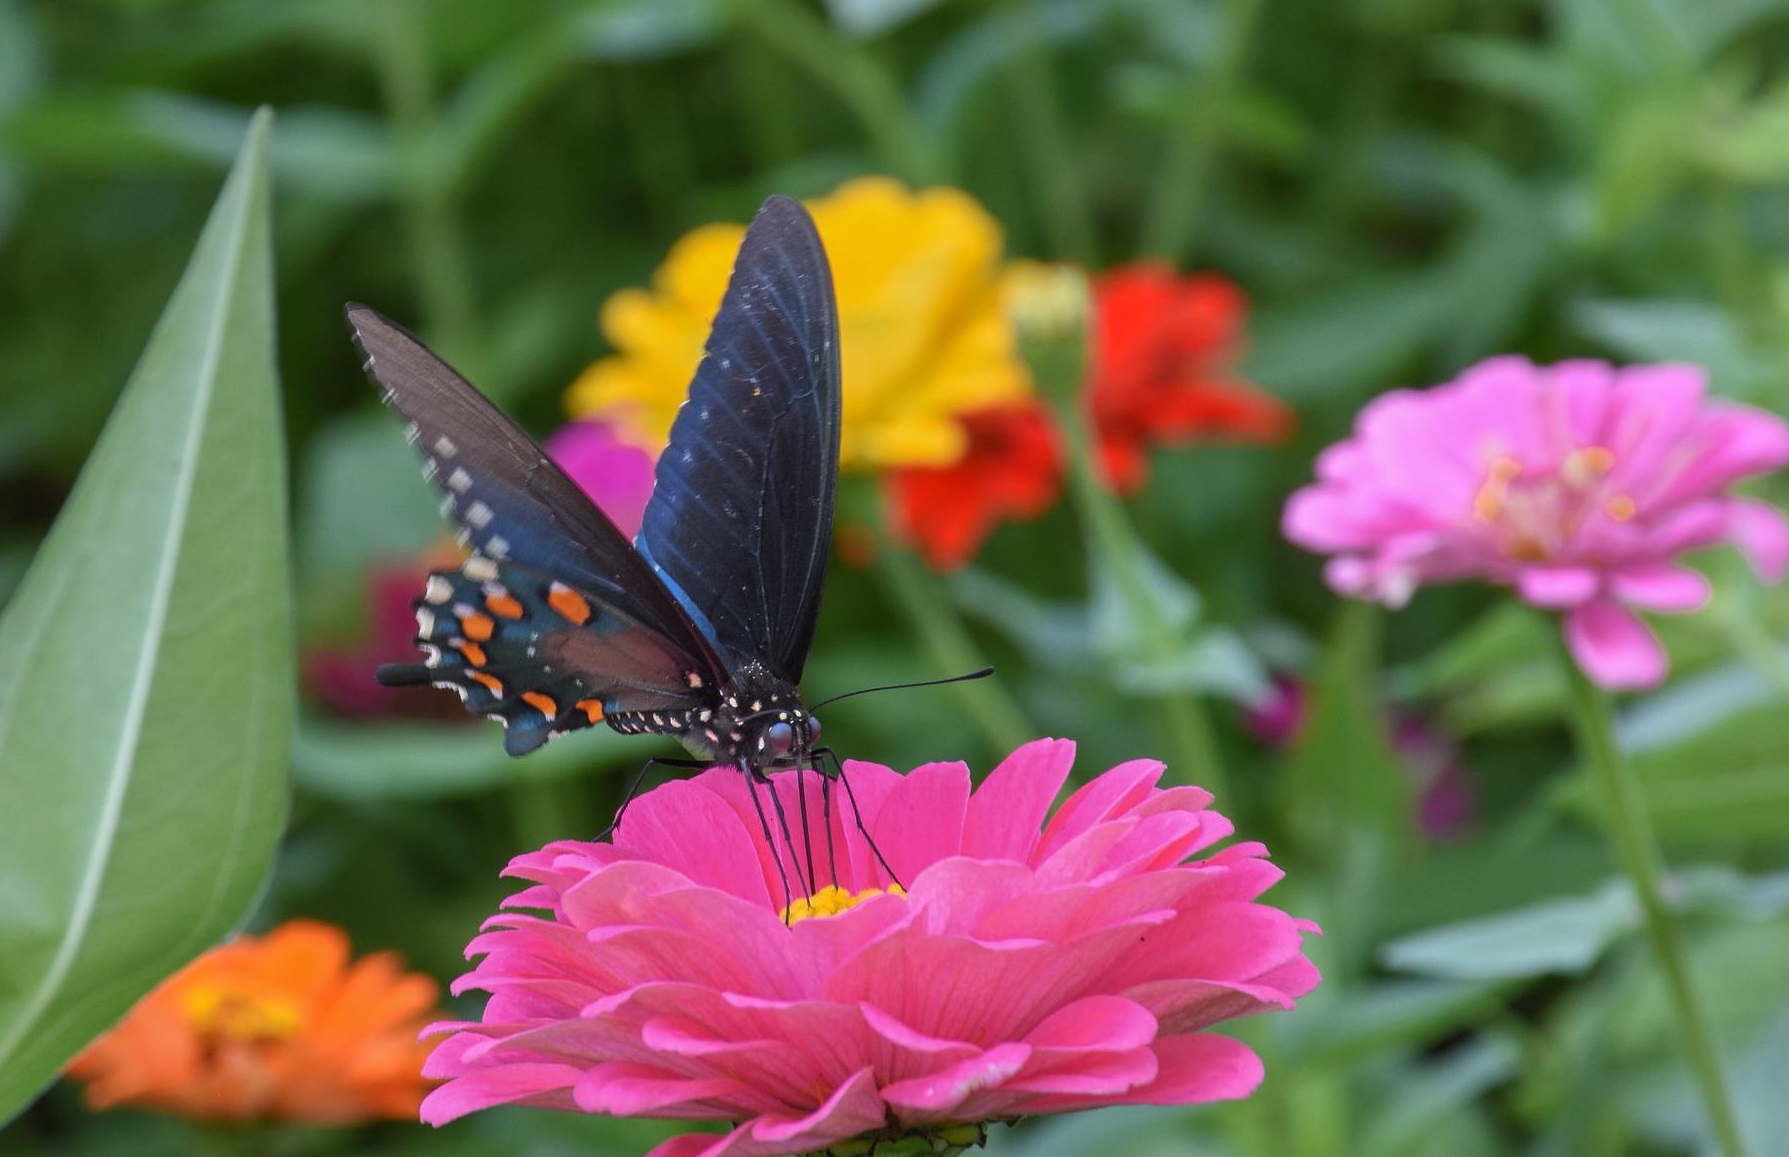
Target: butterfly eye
point(780, 737)
point(813, 730)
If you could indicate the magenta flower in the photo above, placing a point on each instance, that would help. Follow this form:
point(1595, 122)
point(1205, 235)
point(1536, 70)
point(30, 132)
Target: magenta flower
point(1027, 967)
point(1446, 800)
point(617, 475)
point(1577, 484)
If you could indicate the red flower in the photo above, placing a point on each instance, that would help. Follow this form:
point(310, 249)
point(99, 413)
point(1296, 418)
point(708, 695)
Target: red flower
point(1165, 351)
point(340, 677)
point(1012, 469)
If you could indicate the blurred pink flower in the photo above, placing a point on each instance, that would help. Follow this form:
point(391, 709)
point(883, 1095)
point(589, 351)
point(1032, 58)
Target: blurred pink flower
point(340, 676)
point(617, 475)
point(1577, 484)
point(1027, 967)
point(1447, 799)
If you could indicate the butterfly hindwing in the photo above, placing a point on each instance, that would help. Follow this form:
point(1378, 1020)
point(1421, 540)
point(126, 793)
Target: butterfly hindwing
point(740, 521)
point(540, 655)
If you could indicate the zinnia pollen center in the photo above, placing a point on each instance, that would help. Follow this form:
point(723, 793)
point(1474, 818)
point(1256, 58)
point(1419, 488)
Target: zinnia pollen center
point(1535, 517)
point(832, 899)
point(233, 1014)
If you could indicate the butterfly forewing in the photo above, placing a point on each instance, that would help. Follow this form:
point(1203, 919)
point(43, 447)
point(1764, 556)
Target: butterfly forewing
point(556, 619)
point(740, 521)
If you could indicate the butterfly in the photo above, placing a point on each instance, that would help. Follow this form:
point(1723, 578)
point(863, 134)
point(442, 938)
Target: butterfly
point(698, 629)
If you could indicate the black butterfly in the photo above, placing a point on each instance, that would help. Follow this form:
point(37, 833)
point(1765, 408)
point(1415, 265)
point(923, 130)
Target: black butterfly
point(701, 627)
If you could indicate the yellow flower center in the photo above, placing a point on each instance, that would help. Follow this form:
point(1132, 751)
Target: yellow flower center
point(831, 900)
point(230, 1012)
point(1534, 517)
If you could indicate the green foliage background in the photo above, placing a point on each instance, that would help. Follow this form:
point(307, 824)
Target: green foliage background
point(1403, 187)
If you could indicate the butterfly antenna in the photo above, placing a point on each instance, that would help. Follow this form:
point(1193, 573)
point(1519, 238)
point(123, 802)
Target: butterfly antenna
point(981, 674)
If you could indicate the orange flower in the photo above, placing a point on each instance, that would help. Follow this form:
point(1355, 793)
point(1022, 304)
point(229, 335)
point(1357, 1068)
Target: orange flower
point(279, 1027)
point(1165, 353)
point(1013, 469)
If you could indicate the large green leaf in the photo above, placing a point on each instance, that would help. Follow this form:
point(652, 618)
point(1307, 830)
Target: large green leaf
point(146, 668)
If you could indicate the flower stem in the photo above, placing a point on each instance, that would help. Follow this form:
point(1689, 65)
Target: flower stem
point(1194, 134)
point(934, 619)
point(1192, 752)
point(1632, 829)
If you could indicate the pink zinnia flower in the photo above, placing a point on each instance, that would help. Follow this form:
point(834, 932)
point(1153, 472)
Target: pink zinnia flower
point(617, 475)
point(1577, 484)
point(1027, 967)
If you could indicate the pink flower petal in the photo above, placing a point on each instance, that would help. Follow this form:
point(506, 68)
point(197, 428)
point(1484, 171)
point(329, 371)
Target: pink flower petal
point(921, 821)
point(1614, 647)
point(933, 1096)
point(1762, 533)
point(1558, 586)
point(1007, 812)
point(1026, 966)
point(854, 1108)
point(1661, 587)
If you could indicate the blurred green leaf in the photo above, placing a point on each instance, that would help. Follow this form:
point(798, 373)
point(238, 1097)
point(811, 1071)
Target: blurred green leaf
point(625, 30)
point(1678, 331)
point(418, 761)
point(1342, 772)
point(1335, 1028)
point(863, 19)
point(1565, 935)
point(1429, 1093)
point(362, 500)
point(328, 153)
point(146, 695)
point(1712, 755)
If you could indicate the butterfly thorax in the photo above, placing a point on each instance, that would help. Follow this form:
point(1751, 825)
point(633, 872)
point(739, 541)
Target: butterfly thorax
point(757, 720)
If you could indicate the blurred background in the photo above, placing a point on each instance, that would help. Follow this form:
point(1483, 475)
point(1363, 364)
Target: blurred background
point(1400, 187)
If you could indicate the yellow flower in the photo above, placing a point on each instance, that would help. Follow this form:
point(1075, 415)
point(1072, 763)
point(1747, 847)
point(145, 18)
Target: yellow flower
point(923, 335)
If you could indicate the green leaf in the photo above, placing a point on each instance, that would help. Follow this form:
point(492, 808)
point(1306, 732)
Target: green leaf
point(1363, 1020)
point(146, 678)
point(1563, 935)
point(418, 761)
point(1342, 771)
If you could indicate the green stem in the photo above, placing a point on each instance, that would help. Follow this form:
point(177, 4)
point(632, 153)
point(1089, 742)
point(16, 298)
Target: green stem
point(1195, 133)
point(853, 74)
point(946, 641)
point(439, 266)
point(1053, 174)
point(1192, 752)
point(1632, 828)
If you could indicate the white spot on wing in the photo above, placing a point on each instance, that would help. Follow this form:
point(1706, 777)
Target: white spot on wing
point(497, 546)
point(479, 515)
point(479, 569)
point(438, 590)
point(444, 446)
point(459, 480)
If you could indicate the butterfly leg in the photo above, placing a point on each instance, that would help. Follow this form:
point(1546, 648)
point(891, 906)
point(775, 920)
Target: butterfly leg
point(782, 819)
point(751, 786)
point(807, 832)
point(633, 788)
point(857, 812)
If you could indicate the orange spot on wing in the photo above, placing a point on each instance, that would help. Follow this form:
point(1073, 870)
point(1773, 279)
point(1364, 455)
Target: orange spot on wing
point(474, 653)
point(503, 604)
point(571, 605)
point(477, 627)
point(541, 702)
point(486, 680)
point(592, 709)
